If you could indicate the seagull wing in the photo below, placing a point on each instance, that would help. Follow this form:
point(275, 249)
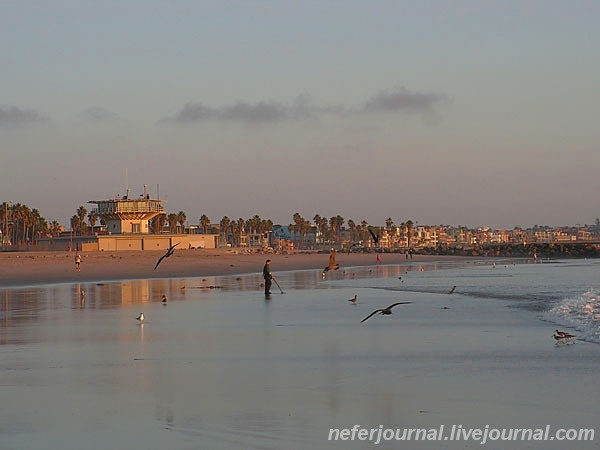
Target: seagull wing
point(372, 314)
point(375, 238)
point(159, 260)
point(399, 303)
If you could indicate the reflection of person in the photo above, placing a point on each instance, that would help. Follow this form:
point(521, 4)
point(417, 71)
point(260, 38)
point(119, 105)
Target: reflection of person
point(77, 262)
point(267, 276)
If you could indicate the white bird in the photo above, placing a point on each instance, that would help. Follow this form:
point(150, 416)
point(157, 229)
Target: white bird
point(140, 318)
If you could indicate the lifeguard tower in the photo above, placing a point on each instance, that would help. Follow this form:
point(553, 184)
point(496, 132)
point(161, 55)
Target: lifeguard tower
point(128, 215)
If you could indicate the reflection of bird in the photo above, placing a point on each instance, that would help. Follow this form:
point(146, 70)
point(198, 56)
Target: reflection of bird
point(374, 236)
point(332, 265)
point(354, 300)
point(140, 318)
point(452, 290)
point(385, 311)
point(166, 255)
point(164, 298)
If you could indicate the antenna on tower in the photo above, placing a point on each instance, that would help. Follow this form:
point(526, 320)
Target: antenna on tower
point(126, 185)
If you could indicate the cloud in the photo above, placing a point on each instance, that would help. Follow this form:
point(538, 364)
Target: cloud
point(302, 108)
point(403, 100)
point(11, 116)
point(242, 111)
point(98, 114)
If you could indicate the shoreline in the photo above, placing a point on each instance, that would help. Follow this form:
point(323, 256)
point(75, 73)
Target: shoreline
point(39, 268)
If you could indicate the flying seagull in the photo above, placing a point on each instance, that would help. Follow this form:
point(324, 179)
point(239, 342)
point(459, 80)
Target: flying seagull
point(140, 318)
point(332, 265)
point(166, 255)
point(385, 311)
point(374, 236)
point(354, 300)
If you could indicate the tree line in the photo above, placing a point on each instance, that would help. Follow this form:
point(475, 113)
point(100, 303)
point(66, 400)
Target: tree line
point(21, 224)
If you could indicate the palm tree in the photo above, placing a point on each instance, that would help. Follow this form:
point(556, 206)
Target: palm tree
point(55, 228)
point(157, 223)
point(204, 223)
point(181, 220)
point(336, 224)
point(93, 218)
point(81, 214)
point(409, 226)
point(224, 227)
point(75, 224)
point(352, 227)
point(172, 219)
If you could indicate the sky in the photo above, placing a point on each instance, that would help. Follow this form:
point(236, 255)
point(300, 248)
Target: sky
point(441, 112)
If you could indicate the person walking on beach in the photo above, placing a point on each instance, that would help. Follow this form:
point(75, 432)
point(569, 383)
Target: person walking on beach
point(77, 262)
point(267, 276)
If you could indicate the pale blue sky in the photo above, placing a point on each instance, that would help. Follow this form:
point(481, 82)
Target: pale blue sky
point(457, 112)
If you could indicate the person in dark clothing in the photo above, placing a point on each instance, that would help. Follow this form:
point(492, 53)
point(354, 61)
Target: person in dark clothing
point(267, 276)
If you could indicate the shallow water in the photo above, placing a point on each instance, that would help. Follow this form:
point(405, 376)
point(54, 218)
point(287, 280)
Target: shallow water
point(221, 367)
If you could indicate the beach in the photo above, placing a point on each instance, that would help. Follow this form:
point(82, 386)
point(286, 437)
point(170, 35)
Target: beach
point(227, 368)
point(30, 268)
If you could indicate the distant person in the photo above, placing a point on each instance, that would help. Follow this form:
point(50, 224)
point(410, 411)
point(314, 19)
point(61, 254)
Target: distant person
point(77, 262)
point(378, 259)
point(267, 276)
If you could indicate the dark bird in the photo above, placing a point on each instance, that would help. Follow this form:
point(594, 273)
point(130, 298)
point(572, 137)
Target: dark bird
point(374, 236)
point(452, 290)
point(563, 336)
point(332, 265)
point(164, 299)
point(166, 255)
point(354, 300)
point(385, 311)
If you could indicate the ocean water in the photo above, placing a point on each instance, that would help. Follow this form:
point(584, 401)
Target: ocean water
point(222, 367)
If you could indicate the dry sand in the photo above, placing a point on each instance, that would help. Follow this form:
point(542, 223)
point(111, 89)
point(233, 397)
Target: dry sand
point(30, 268)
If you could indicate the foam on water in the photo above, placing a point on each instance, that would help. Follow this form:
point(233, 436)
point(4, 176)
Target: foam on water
point(581, 312)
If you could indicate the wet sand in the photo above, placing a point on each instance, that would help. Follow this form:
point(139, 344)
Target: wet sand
point(228, 369)
point(34, 268)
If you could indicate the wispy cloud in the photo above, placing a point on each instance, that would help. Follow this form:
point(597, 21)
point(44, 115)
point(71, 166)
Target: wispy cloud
point(302, 108)
point(403, 100)
point(12, 116)
point(97, 114)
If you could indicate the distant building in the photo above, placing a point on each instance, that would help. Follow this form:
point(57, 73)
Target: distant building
point(128, 216)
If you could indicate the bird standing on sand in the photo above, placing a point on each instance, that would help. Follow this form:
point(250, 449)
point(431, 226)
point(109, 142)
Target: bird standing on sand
point(354, 300)
point(166, 255)
point(164, 298)
point(563, 336)
point(140, 318)
point(385, 311)
point(332, 265)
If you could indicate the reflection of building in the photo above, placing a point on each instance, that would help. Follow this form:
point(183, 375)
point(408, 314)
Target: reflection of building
point(125, 215)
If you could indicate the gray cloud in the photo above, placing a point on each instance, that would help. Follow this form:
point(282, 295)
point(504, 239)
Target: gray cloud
point(403, 100)
point(98, 114)
point(12, 116)
point(302, 108)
